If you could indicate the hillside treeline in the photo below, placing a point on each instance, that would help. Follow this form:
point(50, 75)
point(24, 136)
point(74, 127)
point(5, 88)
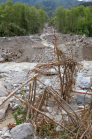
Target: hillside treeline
point(20, 19)
point(85, 4)
point(77, 20)
point(50, 5)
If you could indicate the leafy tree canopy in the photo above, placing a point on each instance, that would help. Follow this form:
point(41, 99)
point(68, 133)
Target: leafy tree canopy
point(76, 20)
point(50, 5)
point(20, 19)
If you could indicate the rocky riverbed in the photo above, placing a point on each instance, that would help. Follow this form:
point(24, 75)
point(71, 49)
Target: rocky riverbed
point(19, 55)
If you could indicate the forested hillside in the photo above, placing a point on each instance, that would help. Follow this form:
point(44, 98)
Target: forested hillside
point(20, 19)
point(77, 20)
point(50, 5)
point(85, 4)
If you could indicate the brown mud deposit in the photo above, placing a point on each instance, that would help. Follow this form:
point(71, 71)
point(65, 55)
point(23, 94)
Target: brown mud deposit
point(70, 44)
point(25, 49)
point(7, 120)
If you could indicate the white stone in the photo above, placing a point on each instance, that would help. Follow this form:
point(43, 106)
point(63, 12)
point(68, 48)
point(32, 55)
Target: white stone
point(64, 112)
point(58, 128)
point(49, 109)
point(41, 86)
point(68, 43)
point(2, 59)
point(58, 118)
point(48, 82)
point(82, 107)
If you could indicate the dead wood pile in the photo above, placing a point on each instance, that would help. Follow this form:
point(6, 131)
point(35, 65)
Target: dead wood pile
point(71, 125)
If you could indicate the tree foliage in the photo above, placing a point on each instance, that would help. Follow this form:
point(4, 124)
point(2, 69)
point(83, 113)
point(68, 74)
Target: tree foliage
point(77, 20)
point(20, 19)
point(50, 5)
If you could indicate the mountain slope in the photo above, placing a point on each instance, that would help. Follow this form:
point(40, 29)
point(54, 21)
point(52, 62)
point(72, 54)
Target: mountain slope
point(50, 5)
point(85, 4)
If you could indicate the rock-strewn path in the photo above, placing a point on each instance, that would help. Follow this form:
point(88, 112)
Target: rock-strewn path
point(39, 48)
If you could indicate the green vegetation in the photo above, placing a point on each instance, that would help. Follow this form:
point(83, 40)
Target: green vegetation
point(19, 114)
point(20, 19)
point(85, 4)
point(50, 5)
point(76, 20)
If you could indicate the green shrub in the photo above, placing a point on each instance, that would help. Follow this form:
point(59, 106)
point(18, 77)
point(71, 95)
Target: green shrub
point(19, 114)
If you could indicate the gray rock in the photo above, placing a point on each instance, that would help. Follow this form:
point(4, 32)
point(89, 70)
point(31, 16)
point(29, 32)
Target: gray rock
point(23, 131)
point(8, 85)
point(80, 98)
point(84, 82)
point(3, 91)
point(7, 132)
point(5, 129)
point(3, 107)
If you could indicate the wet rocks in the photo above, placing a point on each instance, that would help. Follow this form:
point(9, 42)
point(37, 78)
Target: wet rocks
point(23, 131)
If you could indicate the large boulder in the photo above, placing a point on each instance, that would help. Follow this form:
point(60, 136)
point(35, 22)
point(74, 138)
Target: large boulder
point(23, 131)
